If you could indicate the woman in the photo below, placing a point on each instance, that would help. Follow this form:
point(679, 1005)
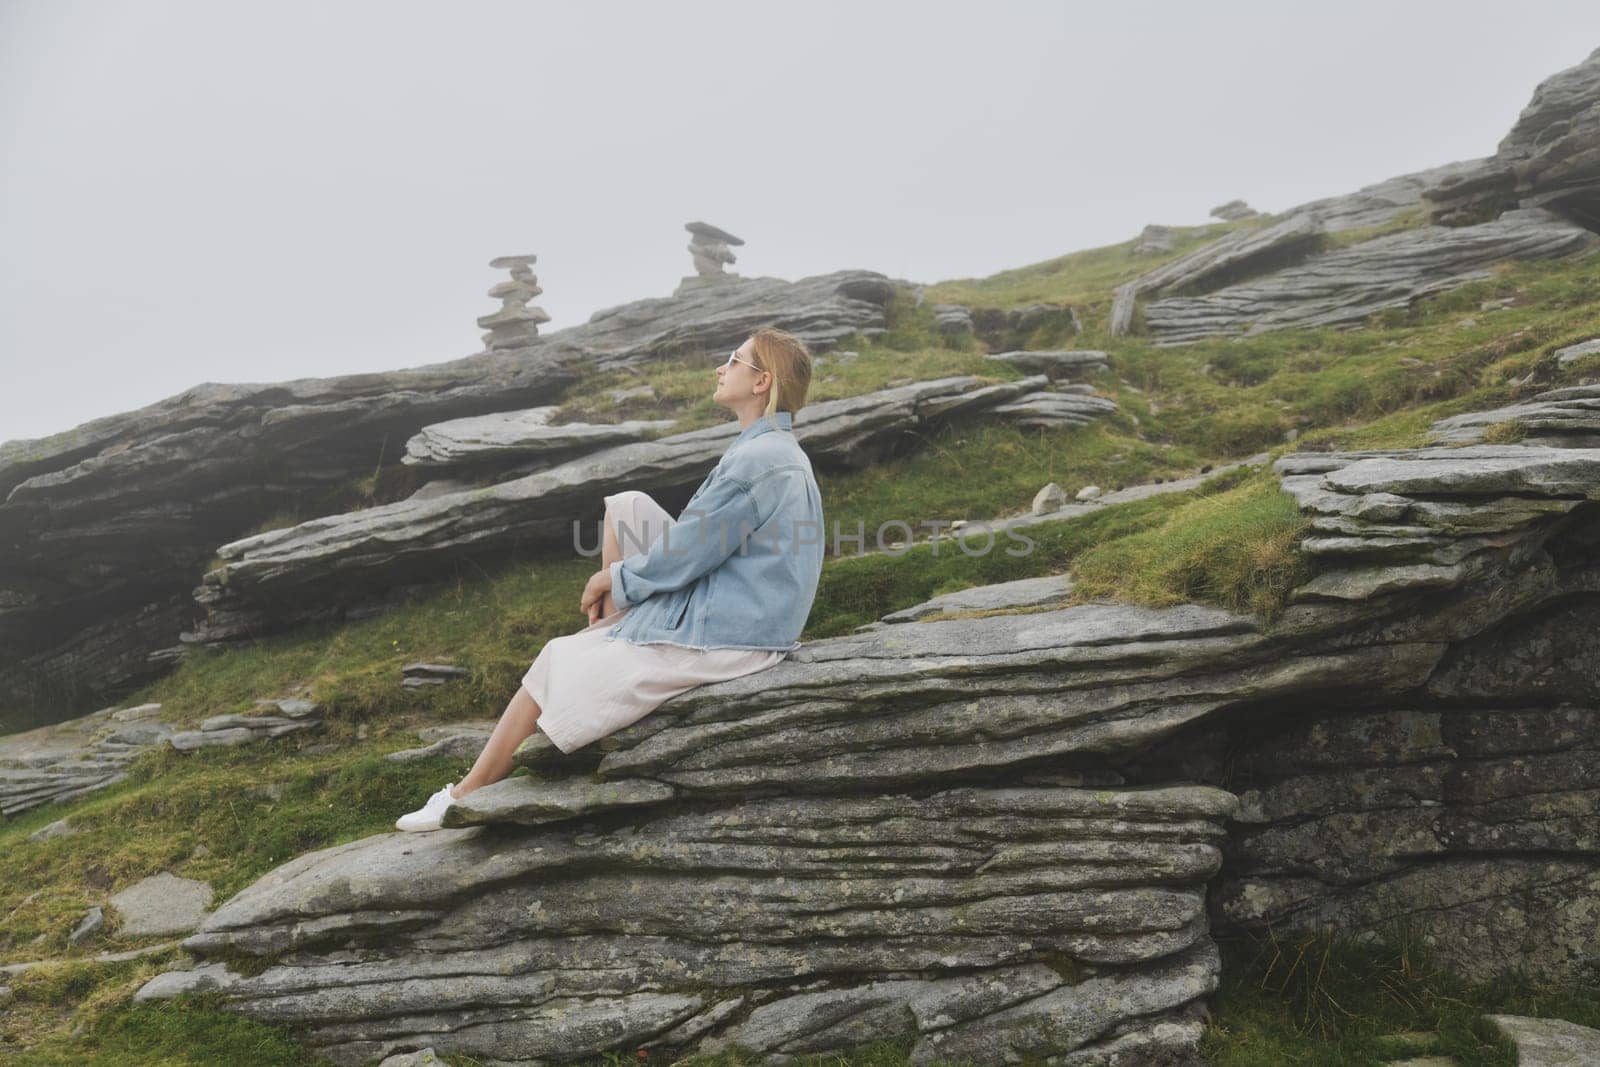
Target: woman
point(722, 591)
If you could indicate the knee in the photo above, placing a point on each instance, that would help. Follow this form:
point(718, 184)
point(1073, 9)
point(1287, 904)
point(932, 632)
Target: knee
point(616, 501)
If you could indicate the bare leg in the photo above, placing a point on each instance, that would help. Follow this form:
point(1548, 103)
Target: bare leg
point(494, 762)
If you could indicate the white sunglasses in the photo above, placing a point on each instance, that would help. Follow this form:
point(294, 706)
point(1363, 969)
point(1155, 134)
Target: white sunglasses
point(733, 355)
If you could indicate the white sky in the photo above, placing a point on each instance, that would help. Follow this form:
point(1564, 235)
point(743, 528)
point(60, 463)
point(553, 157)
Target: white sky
point(222, 191)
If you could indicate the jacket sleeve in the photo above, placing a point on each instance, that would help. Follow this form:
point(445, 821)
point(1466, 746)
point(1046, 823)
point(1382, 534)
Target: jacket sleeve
point(709, 531)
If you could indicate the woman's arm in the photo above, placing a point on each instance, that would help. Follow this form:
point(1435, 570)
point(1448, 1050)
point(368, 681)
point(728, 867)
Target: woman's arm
point(709, 532)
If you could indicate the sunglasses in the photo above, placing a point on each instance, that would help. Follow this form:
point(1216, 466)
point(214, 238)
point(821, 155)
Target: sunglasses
point(734, 355)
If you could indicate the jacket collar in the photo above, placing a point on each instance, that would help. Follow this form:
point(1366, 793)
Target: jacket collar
point(785, 420)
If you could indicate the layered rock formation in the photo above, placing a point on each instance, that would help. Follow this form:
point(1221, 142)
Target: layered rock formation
point(1567, 416)
point(1551, 158)
point(1284, 274)
point(511, 438)
point(993, 836)
point(66, 760)
point(325, 567)
point(105, 528)
point(1344, 286)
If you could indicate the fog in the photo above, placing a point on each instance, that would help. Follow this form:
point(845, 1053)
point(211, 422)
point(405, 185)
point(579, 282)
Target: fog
point(225, 192)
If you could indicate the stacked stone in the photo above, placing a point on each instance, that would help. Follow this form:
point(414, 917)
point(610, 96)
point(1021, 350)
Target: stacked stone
point(1233, 210)
point(709, 247)
point(515, 324)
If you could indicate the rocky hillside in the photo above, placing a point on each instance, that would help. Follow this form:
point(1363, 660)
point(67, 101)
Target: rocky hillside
point(1307, 644)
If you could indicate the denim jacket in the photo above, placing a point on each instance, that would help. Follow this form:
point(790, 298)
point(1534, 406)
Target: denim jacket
point(740, 568)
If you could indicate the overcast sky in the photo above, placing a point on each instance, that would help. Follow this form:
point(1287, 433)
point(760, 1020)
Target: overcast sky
point(217, 191)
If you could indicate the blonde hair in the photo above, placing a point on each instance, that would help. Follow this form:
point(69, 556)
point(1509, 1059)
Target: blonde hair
point(788, 360)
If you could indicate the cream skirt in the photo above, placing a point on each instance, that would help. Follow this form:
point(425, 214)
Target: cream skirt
point(588, 685)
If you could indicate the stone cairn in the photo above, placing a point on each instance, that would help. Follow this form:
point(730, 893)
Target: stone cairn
point(1233, 210)
point(709, 246)
point(515, 324)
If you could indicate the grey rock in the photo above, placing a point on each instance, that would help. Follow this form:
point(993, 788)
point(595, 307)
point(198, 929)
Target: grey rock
point(59, 828)
point(1077, 509)
point(1006, 328)
point(89, 928)
point(162, 904)
point(1154, 239)
point(1232, 210)
point(514, 325)
point(226, 731)
point(952, 318)
point(421, 1058)
point(709, 247)
point(507, 968)
point(1567, 417)
point(1578, 351)
point(462, 740)
point(1549, 158)
point(1021, 593)
point(645, 392)
point(1055, 365)
point(1048, 499)
point(529, 803)
point(1342, 287)
point(1048, 409)
point(1549, 1042)
point(417, 675)
point(440, 487)
point(1002, 1015)
point(73, 758)
point(1379, 203)
point(1235, 253)
point(102, 957)
point(1089, 492)
point(517, 435)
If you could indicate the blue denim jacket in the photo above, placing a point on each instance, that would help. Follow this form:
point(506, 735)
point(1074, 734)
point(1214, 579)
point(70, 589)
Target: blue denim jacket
point(740, 568)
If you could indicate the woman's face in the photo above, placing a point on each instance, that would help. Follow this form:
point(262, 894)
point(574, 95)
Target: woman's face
point(736, 380)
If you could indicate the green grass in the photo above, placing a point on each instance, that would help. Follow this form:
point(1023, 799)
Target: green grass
point(1324, 1000)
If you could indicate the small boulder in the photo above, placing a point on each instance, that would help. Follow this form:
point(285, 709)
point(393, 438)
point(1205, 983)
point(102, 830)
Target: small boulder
point(93, 922)
point(59, 828)
point(1050, 498)
point(162, 904)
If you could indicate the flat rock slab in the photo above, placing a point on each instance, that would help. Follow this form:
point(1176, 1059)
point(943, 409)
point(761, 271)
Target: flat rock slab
point(455, 740)
point(529, 803)
point(518, 435)
point(1549, 1042)
point(162, 904)
point(1024, 592)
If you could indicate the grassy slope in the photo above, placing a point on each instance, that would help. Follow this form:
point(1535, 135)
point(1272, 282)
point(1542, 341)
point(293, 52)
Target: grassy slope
point(230, 816)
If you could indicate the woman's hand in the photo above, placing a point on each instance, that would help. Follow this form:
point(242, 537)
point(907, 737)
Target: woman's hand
point(592, 602)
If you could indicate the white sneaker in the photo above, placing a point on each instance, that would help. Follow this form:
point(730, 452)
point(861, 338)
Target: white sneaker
point(427, 817)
